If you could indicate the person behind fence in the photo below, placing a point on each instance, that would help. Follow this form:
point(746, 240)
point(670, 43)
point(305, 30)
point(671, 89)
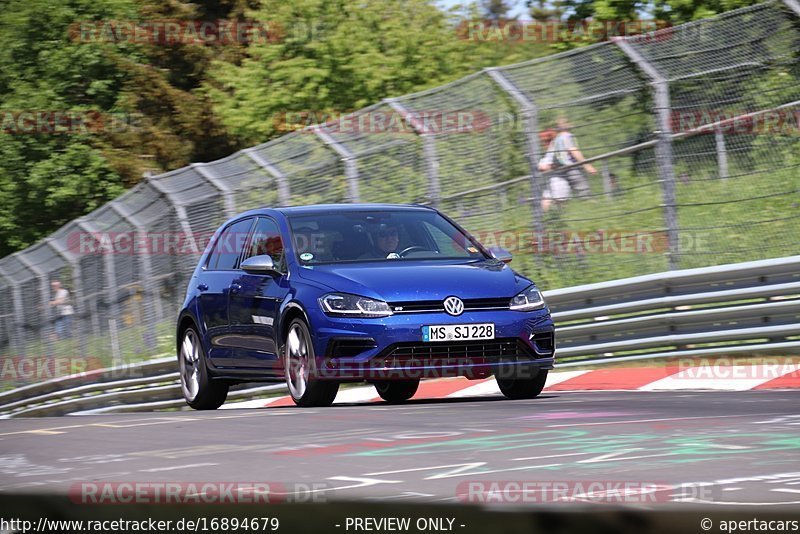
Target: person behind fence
point(562, 151)
point(557, 187)
point(63, 310)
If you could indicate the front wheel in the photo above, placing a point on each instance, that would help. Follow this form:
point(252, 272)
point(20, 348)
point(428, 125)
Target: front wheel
point(199, 390)
point(522, 388)
point(300, 366)
point(396, 391)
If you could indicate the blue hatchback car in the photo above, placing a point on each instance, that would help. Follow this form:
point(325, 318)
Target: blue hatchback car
point(388, 294)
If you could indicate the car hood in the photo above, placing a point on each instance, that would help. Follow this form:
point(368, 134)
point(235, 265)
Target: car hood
point(420, 280)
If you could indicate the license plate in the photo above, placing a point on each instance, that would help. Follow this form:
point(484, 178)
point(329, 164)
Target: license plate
point(458, 332)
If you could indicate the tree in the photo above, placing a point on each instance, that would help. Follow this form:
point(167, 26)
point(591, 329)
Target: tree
point(141, 98)
point(495, 9)
point(332, 57)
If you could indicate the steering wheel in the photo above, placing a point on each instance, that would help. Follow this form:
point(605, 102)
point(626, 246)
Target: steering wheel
point(412, 248)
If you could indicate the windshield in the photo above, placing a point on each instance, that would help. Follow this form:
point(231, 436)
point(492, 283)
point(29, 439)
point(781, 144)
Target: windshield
point(379, 236)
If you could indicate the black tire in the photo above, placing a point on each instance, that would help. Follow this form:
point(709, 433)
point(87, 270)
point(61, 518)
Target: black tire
point(300, 366)
point(522, 388)
point(397, 391)
point(200, 391)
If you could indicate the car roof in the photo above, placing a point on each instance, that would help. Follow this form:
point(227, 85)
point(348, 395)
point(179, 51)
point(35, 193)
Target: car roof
point(323, 208)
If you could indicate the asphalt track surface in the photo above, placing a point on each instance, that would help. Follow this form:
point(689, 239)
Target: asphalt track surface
point(709, 449)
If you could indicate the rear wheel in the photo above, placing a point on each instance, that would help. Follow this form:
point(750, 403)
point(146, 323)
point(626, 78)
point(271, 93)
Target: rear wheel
point(300, 366)
point(199, 390)
point(396, 391)
point(522, 388)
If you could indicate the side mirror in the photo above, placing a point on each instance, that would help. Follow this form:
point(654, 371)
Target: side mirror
point(262, 264)
point(501, 254)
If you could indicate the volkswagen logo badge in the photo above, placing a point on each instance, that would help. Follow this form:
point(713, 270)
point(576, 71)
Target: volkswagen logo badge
point(453, 305)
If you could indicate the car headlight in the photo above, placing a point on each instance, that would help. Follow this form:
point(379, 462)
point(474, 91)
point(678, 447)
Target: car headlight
point(346, 305)
point(530, 299)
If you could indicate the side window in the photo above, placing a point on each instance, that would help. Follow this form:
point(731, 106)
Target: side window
point(266, 240)
point(446, 244)
point(229, 246)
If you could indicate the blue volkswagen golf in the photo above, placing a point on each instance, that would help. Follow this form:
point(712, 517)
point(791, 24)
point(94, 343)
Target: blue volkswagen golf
point(388, 294)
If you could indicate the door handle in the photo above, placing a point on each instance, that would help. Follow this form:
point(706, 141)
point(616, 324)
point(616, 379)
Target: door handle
point(202, 287)
point(235, 288)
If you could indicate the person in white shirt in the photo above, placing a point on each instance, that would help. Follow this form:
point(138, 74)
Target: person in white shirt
point(563, 150)
point(63, 310)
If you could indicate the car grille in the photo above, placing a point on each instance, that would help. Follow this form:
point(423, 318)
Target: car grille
point(420, 306)
point(464, 352)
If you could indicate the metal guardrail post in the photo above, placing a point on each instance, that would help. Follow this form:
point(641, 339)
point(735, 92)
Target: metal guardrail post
point(722, 154)
point(530, 117)
point(428, 149)
point(110, 273)
point(347, 157)
point(664, 147)
point(151, 298)
point(15, 334)
point(180, 211)
point(44, 294)
point(284, 196)
point(218, 183)
point(794, 5)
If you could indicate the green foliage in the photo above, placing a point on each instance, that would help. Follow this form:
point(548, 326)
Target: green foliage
point(148, 116)
point(673, 11)
point(350, 56)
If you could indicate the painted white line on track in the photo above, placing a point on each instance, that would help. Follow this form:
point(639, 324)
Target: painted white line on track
point(175, 467)
point(633, 421)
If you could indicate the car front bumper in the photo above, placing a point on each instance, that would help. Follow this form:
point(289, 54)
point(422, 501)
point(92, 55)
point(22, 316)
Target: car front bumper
point(392, 347)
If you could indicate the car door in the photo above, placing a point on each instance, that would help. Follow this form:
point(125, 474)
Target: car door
point(254, 304)
point(213, 286)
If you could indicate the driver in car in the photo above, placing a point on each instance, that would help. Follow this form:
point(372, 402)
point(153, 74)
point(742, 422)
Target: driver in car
point(385, 239)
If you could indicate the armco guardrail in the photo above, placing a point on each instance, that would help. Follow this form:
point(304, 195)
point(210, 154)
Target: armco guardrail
point(743, 307)
point(753, 306)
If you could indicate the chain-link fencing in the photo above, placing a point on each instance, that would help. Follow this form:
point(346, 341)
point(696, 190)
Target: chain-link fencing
point(691, 144)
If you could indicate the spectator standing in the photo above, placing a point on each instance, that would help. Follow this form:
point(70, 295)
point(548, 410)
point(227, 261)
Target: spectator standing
point(63, 310)
point(562, 151)
point(557, 187)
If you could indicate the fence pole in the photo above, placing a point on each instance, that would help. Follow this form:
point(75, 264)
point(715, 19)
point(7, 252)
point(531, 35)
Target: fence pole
point(428, 150)
point(44, 293)
point(183, 221)
point(15, 334)
point(347, 157)
point(110, 270)
point(664, 157)
point(722, 154)
point(794, 5)
point(284, 196)
point(530, 117)
point(152, 304)
point(607, 186)
point(220, 185)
